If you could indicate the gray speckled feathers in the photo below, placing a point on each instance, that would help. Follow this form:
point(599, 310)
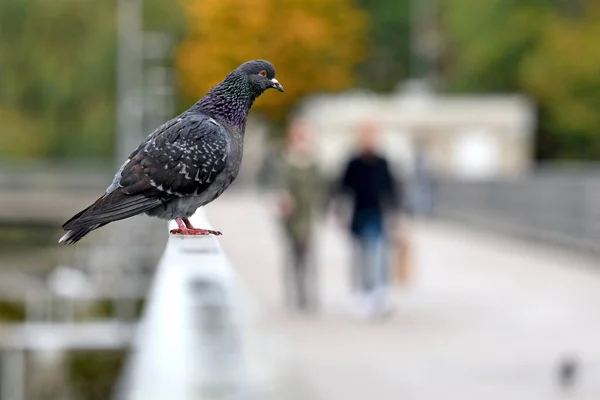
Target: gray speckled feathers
point(185, 163)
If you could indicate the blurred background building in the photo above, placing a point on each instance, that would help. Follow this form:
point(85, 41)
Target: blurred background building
point(489, 113)
point(465, 137)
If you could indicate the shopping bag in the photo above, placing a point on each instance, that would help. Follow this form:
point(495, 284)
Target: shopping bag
point(403, 260)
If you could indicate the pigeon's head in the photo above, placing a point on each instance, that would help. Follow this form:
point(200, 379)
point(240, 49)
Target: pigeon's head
point(260, 74)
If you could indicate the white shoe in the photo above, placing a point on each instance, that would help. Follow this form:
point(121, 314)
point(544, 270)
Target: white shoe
point(361, 306)
point(380, 304)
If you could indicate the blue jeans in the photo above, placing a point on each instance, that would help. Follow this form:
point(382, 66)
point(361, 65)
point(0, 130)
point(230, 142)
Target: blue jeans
point(370, 264)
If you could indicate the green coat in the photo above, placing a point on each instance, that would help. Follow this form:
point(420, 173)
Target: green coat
point(302, 181)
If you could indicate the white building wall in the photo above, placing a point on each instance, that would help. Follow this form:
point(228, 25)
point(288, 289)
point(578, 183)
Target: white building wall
point(470, 137)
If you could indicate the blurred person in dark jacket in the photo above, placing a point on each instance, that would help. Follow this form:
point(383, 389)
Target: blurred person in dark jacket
point(375, 196)
point(300, 194)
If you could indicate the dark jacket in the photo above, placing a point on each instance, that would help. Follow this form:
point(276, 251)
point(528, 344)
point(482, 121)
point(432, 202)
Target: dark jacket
point(368, 181)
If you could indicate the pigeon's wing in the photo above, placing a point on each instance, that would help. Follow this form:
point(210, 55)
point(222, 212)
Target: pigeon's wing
point(184, 160)
point(180, 158)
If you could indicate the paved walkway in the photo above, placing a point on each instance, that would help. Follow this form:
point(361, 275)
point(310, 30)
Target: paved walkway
point(484, 317)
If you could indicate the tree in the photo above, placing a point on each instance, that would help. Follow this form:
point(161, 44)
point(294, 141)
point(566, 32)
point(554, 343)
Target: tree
point(547, 49)
point(314, 45)
point(57, 91)
point(488, 40)
point(58, 69)
point(389, 37)
point(563, 74)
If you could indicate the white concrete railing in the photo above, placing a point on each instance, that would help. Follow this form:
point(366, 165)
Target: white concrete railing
point(190, 343)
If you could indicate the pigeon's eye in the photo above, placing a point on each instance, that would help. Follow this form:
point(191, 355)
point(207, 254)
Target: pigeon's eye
point(263, 73)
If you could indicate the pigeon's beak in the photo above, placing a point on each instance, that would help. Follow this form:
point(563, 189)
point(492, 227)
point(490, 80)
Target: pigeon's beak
point(275, 83)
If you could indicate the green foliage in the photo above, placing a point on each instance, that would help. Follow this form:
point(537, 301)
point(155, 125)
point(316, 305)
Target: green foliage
point(389, 39)
point(546, 48)
point(58, 74)
point(105, 308)
point(11, 311)
point(563, 73)
point(94, 373)
point(164, 15)
point(57, 91)
point(488, 40)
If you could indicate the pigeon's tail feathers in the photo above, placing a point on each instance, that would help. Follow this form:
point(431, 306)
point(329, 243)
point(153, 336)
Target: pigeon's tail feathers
point(108, 208)
point(74, 218)
point(75, 235)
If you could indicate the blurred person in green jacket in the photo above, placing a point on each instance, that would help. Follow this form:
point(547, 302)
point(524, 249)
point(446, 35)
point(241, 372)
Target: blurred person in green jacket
point(300, 194)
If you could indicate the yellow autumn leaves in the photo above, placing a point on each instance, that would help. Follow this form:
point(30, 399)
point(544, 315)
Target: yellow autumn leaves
point(314, 45)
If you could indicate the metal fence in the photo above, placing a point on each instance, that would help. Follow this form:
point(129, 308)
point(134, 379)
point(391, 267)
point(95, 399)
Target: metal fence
point(555, 205)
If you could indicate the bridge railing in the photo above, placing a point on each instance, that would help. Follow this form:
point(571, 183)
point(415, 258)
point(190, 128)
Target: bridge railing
point(561, 208)
point(199, 337)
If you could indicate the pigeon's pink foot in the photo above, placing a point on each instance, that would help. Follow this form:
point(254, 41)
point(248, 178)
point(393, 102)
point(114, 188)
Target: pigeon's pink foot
point(186, 228)
point(194, 231)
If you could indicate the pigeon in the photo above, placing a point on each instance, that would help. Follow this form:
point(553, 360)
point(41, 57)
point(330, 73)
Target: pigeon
point(186, 162)
point(568, 370)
